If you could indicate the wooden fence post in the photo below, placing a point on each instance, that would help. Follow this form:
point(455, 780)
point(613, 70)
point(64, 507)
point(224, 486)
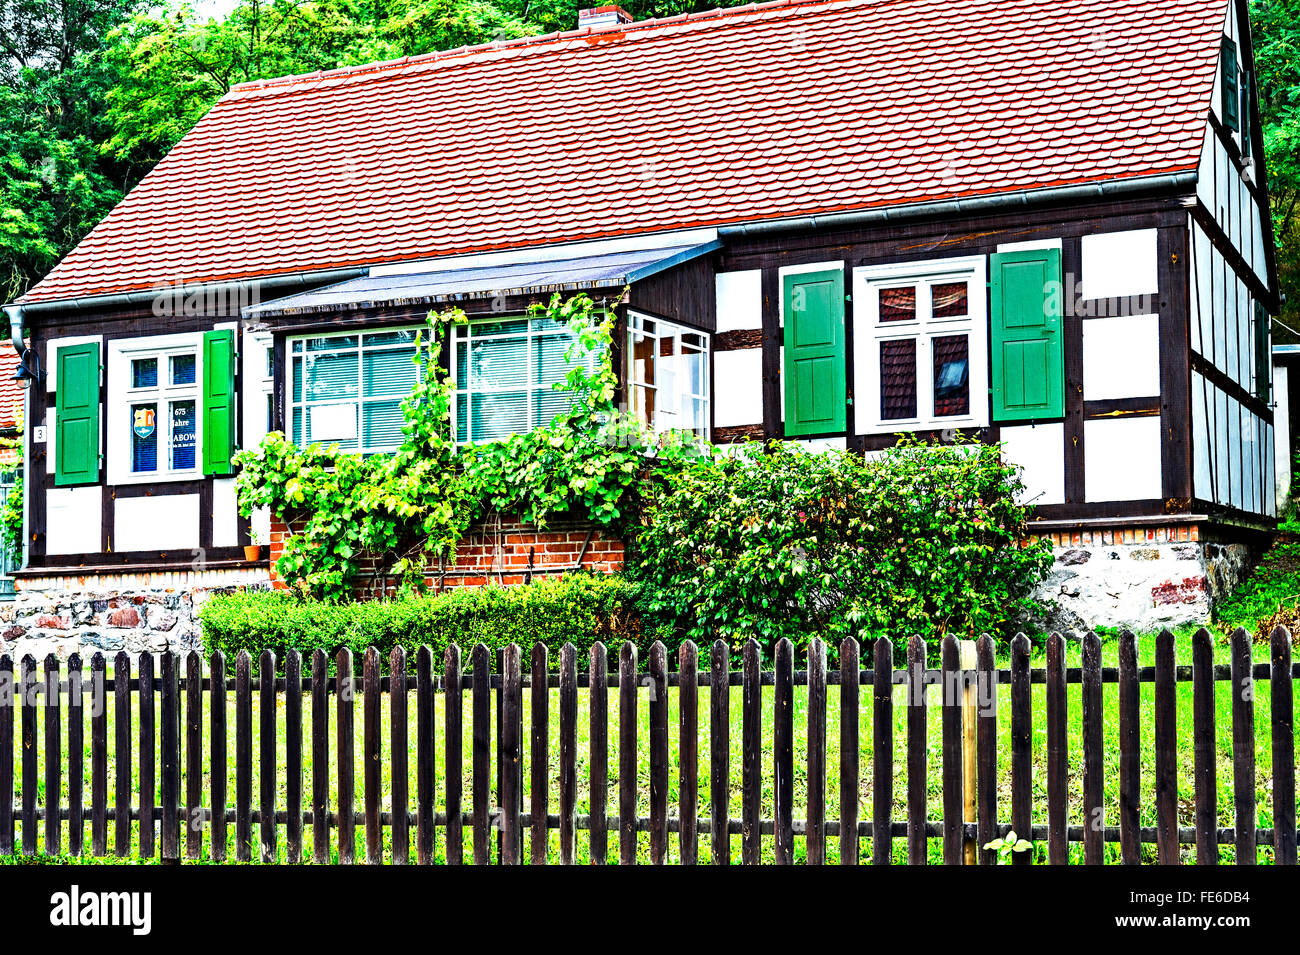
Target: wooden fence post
point(7, 755)
point(1094, 814)
point(783, 752)
point(98, 759)
point(481, 701)
point(1021, 747)
point(76, 755)
point(398, 758)
point(370, 679)
point(1130, 751)
point(815, 824)
point(1205, 752)
point(751, 729)
point(425, 779)
point(453, 757)
point(719, 753)
point(688, 752)
point(122, 753)
point(170, 751)
point(1058, 852)
point(917, 756)
point(148, 784)
point(217, 744)
point(627, 761)
point(539, 802)
point(293, 757)
point(1243, 747)
point(266, 746)
point(320, 758)
point(243, 757)
point(1166, 730)
point(53, 757)
point(598, 765)
point(1283, 713)
point(882, 752)
point(568, 752)
point(850, 767)
point(658, 685)
point(344, 699)
point(511, 754)
point(953, 804)
point(987, 745)
point(193, 755)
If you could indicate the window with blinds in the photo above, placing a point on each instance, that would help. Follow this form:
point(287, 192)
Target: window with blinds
point(505, 371)
point(347, 389)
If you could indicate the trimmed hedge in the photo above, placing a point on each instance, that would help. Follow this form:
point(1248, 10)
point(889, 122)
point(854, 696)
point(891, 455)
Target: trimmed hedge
point(578, 609)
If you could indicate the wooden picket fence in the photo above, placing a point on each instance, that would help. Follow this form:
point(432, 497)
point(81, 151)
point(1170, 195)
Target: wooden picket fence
point(496, 817)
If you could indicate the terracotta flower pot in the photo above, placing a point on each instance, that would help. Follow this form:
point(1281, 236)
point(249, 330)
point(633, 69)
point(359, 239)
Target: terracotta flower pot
point(253, 552)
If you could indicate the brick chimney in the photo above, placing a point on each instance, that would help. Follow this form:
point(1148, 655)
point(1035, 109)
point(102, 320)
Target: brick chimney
point(603, 16)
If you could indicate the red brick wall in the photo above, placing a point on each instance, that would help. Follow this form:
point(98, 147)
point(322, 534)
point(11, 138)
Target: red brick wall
point(505, 553)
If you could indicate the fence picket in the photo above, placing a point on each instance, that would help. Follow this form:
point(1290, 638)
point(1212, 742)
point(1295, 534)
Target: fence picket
point(598, 767)
point(426, 796)
point(1243, 747)
point(850, 752)
point(76, 756)
point(398, 757)
point(539, 762)
point(122, 753)
point(783, 752)
point(453, 754)
point(170, 759)
point(344, 696)
point(1057, 758)
point(1205, 752)
point(658, 754)
point(266, 788)
point(511, 754)
point(320, 758)
point(481, 702)
point(293, 757)
point(568, 752)
point(719, 753)
point(1166, 730)
point(7, 761)
point(751, 732)
point(954, 843)
point(53, 757)
point(1283, 734)
point(815, 823)
point(98, 760)
point(688, 752)
point(194, 755)
point(1130, 751)
point(148, 747)
point(370, 677)
point(986, 744)
point(217, 744)
point(243, 757)
point(1021, 747)
point(917, 745)
point(882, 752)
point(627, 761)
point(1094, 818)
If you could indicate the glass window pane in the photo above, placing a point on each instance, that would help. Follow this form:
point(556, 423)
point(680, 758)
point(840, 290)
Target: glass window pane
point(547, 404)
point(546, 324)
point(144, 437)
point(498, 416)
point(498, 364)
point(548, 359)
point(297, 379)
point(182, 369)
point(898, 304)
point(388, 373)
point(404, 336)
point(641, 404)
point(144, 372)
point(898, 379)
point(948, 300)
point(327, 424)
point(383, 425)
point(332, 343)
point(515, 326)
point(331, 376)
point(951, 375)
point(643, 359)
point(270, 362)
point(462, 417)
point(184, 435)
point(297, 427)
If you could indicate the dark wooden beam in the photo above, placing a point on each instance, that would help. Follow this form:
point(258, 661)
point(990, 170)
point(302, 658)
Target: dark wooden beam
point(1173, 271)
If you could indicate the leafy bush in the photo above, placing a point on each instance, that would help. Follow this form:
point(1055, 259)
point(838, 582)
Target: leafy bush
point(785, 543)
point(1269, 597)
point(577, 608)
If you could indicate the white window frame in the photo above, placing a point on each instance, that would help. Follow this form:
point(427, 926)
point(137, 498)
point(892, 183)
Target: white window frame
point(463, 392)
point(259, 385)
point(121, 395)
point(358, 400)
point(671, 330)
point(870, 332)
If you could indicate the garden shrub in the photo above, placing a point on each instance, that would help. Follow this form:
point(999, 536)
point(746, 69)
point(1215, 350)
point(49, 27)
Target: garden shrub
point(577, 608)
point(781, 542)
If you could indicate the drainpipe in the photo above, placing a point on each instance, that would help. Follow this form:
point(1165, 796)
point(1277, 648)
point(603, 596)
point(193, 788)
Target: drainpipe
point(15, 315)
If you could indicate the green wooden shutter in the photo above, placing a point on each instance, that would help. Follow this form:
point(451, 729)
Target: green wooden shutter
point(76, 410)
point(814, 353)
point(1028, 360)
point(218, 401)
point(1229, 99)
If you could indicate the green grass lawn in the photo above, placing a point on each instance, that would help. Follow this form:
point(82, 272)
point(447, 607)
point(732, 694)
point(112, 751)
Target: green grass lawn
point(1146, 651)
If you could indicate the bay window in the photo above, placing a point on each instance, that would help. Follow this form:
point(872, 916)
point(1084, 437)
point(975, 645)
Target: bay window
point(921, 342)
point(667, 376)
point(347, 389)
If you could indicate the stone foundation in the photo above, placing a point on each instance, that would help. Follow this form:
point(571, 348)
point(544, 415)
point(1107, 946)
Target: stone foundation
point(1140, 579)
point(137, 613)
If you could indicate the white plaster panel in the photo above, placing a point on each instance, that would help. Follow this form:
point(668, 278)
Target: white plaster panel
point(739, 300)
point(737, 387)
point(1123, 459)
point(158, 522)
point(1040, 451)
point(1121, 357)
point(225, 513)
point(72, 520)
point(1119, 264)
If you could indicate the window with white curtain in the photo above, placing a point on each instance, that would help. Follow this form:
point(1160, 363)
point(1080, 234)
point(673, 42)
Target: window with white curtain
point(348, 388)
point(668, 375)
point(505, 370)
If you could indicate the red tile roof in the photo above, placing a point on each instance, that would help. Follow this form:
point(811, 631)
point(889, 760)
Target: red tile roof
point(766, 111)
point(11, 392)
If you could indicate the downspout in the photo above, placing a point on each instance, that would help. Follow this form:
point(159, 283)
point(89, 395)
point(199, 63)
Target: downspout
point(15, 315)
